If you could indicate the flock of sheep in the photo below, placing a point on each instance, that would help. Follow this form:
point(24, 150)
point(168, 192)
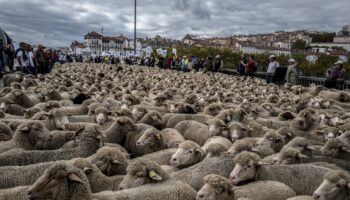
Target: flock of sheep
point(106, 132)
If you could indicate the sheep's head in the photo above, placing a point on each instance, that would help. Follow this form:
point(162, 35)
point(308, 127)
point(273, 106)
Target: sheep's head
point(238, 131)
point(335, 185)
point(141, 172)
point(57, 118)
point(33, 134)
point(288, 156)
point(334, 147)
point(139, 112)
point(187, 154)
point(299, 143)
point(100, 115)
point(5, 132)
point(110, 160)
point(245, 168)
point(273, 140)
point(216, 127)
point(241, 145)
point(344, 97)
point(59, 181)
point(30, 112)
point(215, 187)
point(150, 138)
point(153, 118)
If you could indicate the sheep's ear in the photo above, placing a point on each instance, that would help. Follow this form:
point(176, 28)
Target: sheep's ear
point(87, 170)
point(24, 129)
point(75, 178)
point(308, 147)
point(260, 163)
point(300, 155)
point(199, 151)
point(157, 135)
point(229, 118)
point(154, 176)
point(346, 149)
point(115, 162)
point(154, 117)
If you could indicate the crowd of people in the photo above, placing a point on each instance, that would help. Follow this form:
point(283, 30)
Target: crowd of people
point(184, 63)
point(29, 60)
point(41, 60)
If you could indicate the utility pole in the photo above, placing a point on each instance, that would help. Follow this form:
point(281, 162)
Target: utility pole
point(135, 31)
point(101, 41)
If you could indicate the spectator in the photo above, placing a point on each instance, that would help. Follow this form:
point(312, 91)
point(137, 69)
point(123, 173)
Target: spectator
point(161, 61)
point(184, 64)
point(250, 67)
point(9, 54)
point(31, 66)
point(21, 58)
point(2, 57)
point(190, 65)
point(271, 69)
point(168, 62)
point(218, 64)
point(208, 65)
point(242, 64)
point(40, 60)
point(292, 72)
point(335, 74)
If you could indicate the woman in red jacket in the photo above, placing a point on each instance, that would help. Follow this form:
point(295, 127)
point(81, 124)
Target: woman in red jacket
point(250, 67)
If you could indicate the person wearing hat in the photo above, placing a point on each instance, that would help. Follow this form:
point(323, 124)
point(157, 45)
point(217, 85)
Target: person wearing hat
point(271, 69)
point(292, 72)
point(335, 74)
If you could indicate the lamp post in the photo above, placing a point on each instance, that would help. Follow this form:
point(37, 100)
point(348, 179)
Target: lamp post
point(135, 29)
point(101, 41)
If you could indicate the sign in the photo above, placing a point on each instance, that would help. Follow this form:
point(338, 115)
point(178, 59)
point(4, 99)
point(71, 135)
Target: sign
point(174, 51)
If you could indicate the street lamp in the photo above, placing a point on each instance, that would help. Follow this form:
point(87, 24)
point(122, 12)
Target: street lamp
point(101, 41)
point(135, 30)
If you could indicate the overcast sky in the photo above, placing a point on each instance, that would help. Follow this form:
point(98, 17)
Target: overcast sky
point(59, 22)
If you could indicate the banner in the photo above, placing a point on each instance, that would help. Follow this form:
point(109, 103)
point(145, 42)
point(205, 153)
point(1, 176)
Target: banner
point(164, 53)
point(159, 51)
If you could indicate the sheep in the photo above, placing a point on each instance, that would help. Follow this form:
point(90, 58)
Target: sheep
point(162, 157)
point(153, 118)
point(216, 127)
point(89, 143)
point(248, 167)
point(157, 140)
point(213, 109)
point(110, 160)
point(301, 198)
point(12, 109)
point(22, 99)
point(226, 115)
point(141, 172)
point(224, 142)
point(217, 187)
point(335, 186)
point(341, 96)
point(61, 181)
point(5, 132)
point(336, 147)
point(10, 78)
point(56, 120)
point(273, 140)
point(187, 154)
point(246, 144)
point(175, 119)
point(238, 130)
point(14, 193)
point(97, 180)
point(28, 136)
point(221, 165)
point(59, 138)
point(193, 130)
point(264, 190)
point(78, 110)
point(138, 112)
point(170, 190)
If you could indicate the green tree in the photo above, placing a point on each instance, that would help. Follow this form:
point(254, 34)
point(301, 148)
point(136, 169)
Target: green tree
point(299, 44)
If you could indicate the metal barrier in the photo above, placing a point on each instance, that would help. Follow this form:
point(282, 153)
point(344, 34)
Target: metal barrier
point(305, 81)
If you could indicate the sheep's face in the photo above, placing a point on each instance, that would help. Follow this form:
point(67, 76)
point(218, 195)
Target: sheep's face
point(243, 172)
point(207, 192)
point(288, 157)
point(5, 133)
point(58, 119)
point(54, 183)
point(216, 127)
point(332, 190)
point(271, 140)
point(136, 178)
point(150, 138)
point(35, 133)
point(101, 118)
point(238, 131)
point(186, 157)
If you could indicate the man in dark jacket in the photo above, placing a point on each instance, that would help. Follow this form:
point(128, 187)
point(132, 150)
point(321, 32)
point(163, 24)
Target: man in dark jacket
point(335, 74)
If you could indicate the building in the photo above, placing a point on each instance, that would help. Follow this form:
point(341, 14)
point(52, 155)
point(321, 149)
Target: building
point(264, 50)
point(346, 46)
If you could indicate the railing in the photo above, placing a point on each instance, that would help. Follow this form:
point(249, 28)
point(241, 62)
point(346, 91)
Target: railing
point(302, 80)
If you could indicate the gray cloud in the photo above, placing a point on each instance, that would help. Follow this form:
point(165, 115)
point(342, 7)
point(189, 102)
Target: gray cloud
point(57, 23)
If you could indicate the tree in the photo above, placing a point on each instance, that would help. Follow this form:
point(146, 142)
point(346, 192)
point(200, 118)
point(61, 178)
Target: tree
point(322, 37)
point(299, 44)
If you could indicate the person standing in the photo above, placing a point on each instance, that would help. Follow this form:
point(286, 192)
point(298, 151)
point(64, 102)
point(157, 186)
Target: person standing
point(208, 64)
point(292, 72)
point(218, 64)
point(21, 58)
point(31, 66)
point(161, 61)
point(335, 74)
point(271, 69)
point(250, 67)
point(40, 60)
point(242, 64)
point(9, 54)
